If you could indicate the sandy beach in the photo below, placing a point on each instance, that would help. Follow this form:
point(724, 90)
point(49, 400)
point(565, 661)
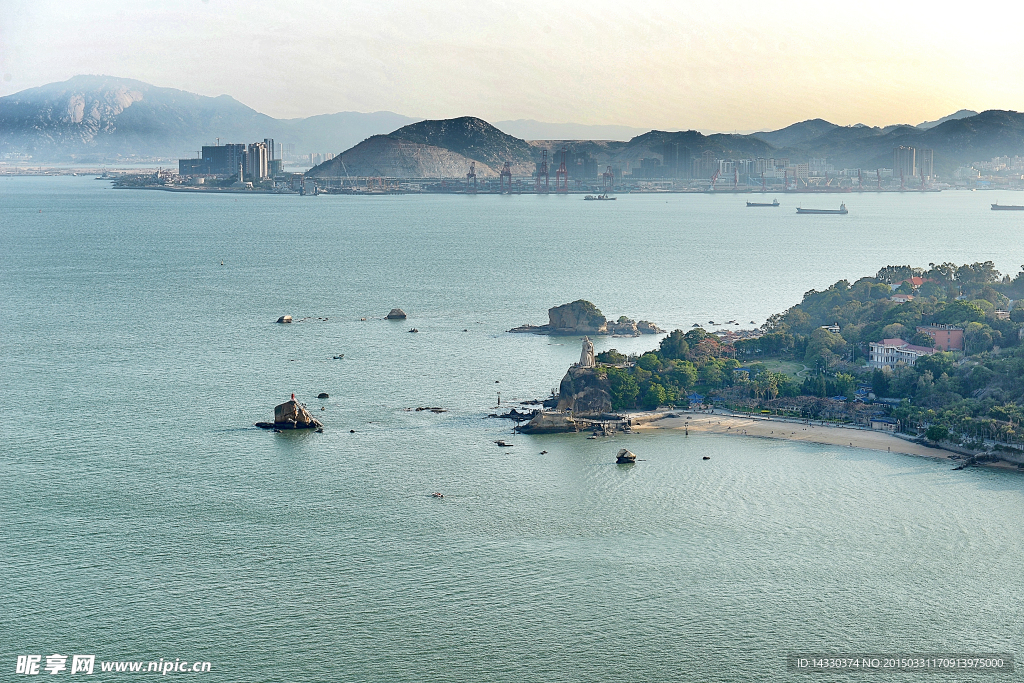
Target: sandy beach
point(795, 431)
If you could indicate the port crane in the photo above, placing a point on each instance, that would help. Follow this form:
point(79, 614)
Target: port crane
point(562, 175)
point(542, 172)
point(506, 172)
point(472, 175)
point(714, 179)
point(609, 180)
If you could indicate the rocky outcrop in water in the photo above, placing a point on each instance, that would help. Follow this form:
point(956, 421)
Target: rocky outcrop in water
point(549, 423)
point(291, 415)
point(583, 317)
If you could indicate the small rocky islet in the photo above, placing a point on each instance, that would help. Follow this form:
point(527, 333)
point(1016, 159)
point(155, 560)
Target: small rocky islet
point(583, 317)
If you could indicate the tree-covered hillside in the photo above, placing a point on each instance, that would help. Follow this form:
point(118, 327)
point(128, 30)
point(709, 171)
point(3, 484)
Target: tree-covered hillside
point(961, 395)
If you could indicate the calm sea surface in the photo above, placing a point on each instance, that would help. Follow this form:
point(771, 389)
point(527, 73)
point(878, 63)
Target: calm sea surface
point(143, 517)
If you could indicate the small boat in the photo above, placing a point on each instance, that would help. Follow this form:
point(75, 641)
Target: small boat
point(599, 198)
point(841, 210)
point(774, 202)
point(437, 494)
point(706, 457)
point(338, 357)
point(625, 457)
point(503, 443)
point(1007, 207)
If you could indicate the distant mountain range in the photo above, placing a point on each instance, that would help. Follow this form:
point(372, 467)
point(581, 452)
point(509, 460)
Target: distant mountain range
point(528, 129)
point(102, 117)
point(106, 118)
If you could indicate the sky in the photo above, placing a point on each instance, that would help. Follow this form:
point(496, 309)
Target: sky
point(737, 66)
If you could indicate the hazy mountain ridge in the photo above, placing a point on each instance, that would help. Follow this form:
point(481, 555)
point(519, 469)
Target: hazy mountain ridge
point(108, 116)
point(91, 117)
point(529, 129)
point(962, 114)
point(956, 142)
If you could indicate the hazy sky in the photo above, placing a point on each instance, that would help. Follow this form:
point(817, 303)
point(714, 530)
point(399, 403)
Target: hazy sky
point(669, 65)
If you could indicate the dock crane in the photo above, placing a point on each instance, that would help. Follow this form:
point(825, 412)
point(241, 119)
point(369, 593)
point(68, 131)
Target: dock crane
point(542, 172)
point(506, 172)
point(562, 175)
point(609, 180)
point(472, 175)
point(714, 179)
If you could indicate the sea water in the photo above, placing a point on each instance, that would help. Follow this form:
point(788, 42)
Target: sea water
point(143, 517)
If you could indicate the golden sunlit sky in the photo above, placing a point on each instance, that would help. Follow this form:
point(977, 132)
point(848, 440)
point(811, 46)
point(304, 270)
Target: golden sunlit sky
point(710, 66)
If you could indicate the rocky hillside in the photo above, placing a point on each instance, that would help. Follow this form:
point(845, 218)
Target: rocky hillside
point(384, 156)
point(471, 137)
point(434, 149)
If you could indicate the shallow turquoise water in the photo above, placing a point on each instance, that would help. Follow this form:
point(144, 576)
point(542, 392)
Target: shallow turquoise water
point(141, 516)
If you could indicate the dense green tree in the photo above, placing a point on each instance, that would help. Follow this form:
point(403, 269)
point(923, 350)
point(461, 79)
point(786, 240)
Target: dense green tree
point(896, 274)
point(695, 336)
point(683, 374)
point(623, 389)
point(959, 313)
point(649, 361)
point(674, 345)
point(710, 375)
point(880, 382)
point(610, 356)
point(655, 396)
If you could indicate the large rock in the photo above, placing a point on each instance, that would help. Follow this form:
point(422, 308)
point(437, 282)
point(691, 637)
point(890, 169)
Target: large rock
point(396, 314)
point(293, 415)
point(584, 391)
point(582, 317)
point(577, 317)
point(549, 423)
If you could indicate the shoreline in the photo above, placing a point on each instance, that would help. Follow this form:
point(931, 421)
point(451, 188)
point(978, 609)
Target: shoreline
point(716, 423)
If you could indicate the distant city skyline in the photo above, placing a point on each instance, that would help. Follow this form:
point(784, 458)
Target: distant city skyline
point(662, 65)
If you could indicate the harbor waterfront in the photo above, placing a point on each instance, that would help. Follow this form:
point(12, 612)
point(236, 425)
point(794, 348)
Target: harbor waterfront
point(146, 517)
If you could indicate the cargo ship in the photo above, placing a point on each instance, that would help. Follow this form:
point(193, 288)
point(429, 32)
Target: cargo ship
point(774, 202)
point(1007, 207)
point(841, 210)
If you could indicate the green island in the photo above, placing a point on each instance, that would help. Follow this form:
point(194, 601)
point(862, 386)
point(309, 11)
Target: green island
point(931, 352)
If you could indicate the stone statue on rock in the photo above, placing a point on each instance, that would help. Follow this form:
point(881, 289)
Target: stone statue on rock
point(587, 355)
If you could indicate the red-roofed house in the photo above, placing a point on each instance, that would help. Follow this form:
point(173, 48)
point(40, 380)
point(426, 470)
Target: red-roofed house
point(915, 281)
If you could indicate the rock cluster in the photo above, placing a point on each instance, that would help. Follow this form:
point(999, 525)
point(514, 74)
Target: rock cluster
point(583, 317)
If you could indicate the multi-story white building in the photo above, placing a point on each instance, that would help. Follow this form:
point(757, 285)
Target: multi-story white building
point(889, 353)
point(257, 161)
